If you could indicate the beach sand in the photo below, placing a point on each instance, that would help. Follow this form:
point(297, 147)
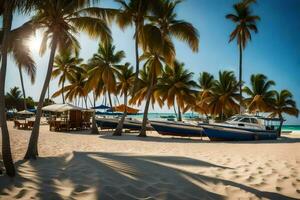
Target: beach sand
point(77, 165)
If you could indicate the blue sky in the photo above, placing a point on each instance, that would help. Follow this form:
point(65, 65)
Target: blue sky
point(274, 51)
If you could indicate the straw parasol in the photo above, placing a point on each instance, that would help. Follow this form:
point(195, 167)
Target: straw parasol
point(121, 108)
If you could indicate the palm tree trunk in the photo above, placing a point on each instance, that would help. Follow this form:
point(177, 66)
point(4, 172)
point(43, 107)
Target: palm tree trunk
point(62, 91)
point(23, 89)
point(280, 126)
point(94, 129)
point(85, 102)
point(110, 102)
point(179, 114)
point(241, 76)
point(32, 150)
point(118, 131)
point(6, 151)
point(49, 93)
point(145, 116)
point(137, 61)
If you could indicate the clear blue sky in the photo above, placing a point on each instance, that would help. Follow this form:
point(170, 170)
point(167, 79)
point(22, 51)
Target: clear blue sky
point(274, 51)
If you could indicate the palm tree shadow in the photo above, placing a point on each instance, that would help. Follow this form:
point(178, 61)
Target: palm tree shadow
point(97, 175)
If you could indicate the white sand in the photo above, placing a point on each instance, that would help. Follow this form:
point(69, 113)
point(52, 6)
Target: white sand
point(83, 166)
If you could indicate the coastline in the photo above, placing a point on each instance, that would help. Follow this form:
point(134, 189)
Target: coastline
point(78, 165)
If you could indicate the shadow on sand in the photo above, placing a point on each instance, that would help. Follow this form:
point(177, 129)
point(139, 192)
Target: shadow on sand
point(152, 138)
point(95, 175)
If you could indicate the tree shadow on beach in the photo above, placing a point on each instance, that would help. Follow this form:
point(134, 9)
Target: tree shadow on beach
point(95, 175)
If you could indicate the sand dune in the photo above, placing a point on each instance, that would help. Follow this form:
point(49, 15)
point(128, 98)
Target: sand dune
point(83, 166)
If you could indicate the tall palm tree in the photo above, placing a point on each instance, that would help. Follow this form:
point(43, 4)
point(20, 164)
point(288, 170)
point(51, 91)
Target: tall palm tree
point(154, 65)
point(7, 8)
point(125, 77)
point(97, 89)
point(176, 84)
point(283, 104)
point(61, 20)
point(21, 52)
point(245, 23)
point(224, 98)
point(165, 17)
point(104, 66)
point(134, 12)
point(65, 66)
point(31, 72)
point(261, 97)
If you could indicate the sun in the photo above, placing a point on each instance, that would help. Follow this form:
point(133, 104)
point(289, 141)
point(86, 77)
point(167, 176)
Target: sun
point(34, 43)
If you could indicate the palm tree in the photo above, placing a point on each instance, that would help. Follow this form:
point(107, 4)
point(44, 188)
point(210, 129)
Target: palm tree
point(224, 97)
point(104, 66)
point(154, 65)
point(65, 66)
point(245, 23)
point(76, 88)
point(61, 20)
point(125, 76)
point(7, 8)
point(141, 94)
point(21, 52)
point(176, 84)
point(13, 99)
point(283, 104)
point(165, 17)
point(261, 97)
point(134, 12)
point(206, 82)
point(31, 71)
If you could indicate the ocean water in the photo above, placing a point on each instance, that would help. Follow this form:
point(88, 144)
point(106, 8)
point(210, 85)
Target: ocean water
point(291, 127)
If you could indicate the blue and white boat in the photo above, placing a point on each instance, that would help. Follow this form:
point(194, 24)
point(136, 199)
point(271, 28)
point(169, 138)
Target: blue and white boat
point(181, 129)
point(241, 128)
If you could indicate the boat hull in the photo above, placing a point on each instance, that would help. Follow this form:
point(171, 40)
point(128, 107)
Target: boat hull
point(106, 123)
point(217, 133)
point(173, 129)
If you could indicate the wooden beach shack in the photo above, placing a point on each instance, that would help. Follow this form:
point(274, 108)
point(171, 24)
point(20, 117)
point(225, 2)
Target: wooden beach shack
point(67, 117)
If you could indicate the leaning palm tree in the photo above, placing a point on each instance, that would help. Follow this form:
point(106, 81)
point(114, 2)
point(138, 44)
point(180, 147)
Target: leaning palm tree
point(60, 21)
point(176, 84)
point(245, 23)
point(134, 13)
point(283, 104)
point(66, 66)
point(7, 9)
point(224, 98)
point(261, 97)
point(154, 60)
point(104, 66)
point(125, 76)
